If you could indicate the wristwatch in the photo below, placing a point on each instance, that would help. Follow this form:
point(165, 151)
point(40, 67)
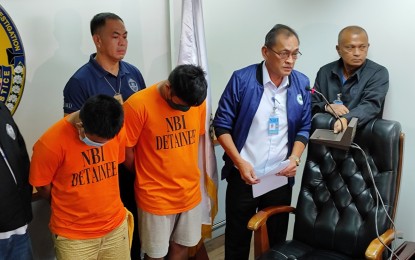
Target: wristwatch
point(296, 159)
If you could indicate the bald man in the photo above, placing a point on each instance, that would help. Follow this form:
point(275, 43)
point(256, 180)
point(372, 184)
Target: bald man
point(361, 83)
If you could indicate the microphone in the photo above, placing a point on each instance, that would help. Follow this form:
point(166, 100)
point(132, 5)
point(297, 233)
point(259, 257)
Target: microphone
point(313, 90)
point(327, 137)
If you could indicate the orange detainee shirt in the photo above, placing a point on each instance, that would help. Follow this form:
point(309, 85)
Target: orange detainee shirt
point(165, 145)
point(85, 198)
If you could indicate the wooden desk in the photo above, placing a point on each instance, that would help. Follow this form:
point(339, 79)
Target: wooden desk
point(406, 251)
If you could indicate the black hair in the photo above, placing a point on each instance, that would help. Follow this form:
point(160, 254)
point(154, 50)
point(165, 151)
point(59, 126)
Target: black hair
point(278, 29)
point(188, 83)
point(98, 21)
point(102, 115)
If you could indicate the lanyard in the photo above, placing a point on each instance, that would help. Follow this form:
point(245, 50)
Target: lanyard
point(275, 106)
point(8, 165)
point(119, 86)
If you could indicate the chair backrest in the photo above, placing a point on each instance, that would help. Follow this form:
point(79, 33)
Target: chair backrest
point(337, 206)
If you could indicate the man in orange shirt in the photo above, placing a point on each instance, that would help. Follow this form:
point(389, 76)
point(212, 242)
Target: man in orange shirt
point(163, 125)
point(108, 73)
point(75, 166)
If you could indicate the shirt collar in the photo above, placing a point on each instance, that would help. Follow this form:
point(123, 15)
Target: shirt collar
point(338, 70)
point(100, 70)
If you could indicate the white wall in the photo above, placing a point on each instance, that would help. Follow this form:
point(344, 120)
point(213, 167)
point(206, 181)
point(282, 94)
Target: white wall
point(57, 41)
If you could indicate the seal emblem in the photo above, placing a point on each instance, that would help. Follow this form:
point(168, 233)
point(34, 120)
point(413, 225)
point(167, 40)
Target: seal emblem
point(300, 99)
point(12, 63)
point(133, 85)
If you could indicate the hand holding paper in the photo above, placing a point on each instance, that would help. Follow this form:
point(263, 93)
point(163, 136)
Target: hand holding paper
point(270, 180)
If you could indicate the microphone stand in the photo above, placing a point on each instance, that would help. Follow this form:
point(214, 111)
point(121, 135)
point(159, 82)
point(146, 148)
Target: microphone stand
point(312, 90)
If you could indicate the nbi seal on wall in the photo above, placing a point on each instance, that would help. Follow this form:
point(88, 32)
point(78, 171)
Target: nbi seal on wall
point(12, 63)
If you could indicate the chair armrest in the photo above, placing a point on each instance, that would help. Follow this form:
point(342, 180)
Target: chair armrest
point(375, 249)
point(260, 218)
point(258, 224)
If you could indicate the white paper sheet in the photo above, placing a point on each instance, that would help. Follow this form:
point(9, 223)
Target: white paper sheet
point(270, 181)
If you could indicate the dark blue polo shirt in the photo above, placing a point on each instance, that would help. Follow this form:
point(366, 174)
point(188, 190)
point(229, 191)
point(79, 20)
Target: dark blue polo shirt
point(91, 79)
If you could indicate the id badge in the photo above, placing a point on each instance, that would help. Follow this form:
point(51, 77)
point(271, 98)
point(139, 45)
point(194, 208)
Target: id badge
point(273, 125)
point(118, 97)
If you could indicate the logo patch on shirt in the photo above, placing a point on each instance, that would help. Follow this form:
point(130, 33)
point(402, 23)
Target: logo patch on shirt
point(12, 63)
point(300, 99)
point(133, 85)
point(10, 131)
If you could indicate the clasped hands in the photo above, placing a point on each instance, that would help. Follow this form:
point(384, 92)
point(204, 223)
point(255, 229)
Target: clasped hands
point(340, 110)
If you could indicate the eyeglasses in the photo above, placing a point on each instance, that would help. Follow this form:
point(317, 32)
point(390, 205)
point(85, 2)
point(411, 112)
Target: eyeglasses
point(284, 55)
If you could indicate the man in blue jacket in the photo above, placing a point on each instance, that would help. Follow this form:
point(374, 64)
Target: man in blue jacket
point(263, 118)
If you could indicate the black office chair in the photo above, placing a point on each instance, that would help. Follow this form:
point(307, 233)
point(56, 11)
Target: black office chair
point(337, 205)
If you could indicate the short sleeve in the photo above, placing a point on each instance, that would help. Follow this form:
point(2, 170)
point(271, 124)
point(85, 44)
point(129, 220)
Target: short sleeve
point(43, 166)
